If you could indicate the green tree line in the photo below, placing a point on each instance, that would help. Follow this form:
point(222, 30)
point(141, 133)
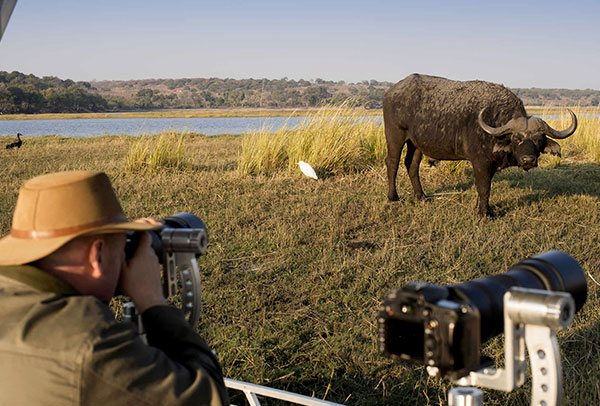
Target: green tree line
point(26, 93)
point(20, 93)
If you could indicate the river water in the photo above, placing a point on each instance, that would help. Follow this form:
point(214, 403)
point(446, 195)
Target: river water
point(94, 127)
point(144, 126)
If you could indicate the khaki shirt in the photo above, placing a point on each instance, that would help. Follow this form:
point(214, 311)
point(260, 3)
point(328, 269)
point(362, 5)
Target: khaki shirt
point(60, 348)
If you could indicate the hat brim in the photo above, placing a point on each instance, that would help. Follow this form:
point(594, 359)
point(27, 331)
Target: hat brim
point(19, 251)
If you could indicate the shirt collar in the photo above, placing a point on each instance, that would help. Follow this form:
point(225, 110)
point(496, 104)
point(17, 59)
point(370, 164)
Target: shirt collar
point(36, 278)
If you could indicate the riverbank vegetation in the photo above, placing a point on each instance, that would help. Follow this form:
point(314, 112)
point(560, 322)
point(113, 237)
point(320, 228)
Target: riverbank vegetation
point(179, 113)
point(27, 94)
point(296, 268)
point(337, 140)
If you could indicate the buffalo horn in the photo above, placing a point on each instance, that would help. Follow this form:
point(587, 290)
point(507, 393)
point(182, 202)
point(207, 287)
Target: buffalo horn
point(559, 135)
point(495, 131)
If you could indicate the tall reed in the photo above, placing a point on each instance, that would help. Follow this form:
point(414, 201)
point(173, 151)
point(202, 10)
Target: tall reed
point(586, 140)
point(334, 140)
point(153, 152)
point(587, 137)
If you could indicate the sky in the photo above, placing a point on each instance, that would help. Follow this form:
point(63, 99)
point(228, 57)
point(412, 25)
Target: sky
point(521, 44)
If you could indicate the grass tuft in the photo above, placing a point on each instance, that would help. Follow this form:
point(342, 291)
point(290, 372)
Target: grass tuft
point(586, 140)
point(333, 140)
point(155, 152)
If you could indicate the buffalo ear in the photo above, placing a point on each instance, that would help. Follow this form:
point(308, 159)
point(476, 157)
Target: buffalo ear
point(551, 147)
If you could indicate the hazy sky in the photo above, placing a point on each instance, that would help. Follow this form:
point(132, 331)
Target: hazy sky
point(523, 43)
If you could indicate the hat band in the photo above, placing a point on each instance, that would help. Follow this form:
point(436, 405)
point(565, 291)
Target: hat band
point(61, 232)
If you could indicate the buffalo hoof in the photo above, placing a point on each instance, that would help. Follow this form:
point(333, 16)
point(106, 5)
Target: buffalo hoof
point(393, 198)
point(487, 213)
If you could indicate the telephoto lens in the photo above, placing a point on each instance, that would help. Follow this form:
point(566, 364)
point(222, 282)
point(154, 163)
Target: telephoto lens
point(552, 270)
point(443, 326)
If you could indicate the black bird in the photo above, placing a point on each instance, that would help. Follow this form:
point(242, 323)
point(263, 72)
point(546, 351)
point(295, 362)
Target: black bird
point(17, 144)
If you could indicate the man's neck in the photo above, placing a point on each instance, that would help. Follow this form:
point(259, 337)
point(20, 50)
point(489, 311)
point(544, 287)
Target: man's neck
point(37, 279)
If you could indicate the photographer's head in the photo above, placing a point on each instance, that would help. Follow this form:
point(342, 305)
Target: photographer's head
point(72, 225)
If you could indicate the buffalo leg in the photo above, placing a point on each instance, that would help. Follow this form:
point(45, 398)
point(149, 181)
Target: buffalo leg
point(483, 183)
point(395, 138)
point(412, 162)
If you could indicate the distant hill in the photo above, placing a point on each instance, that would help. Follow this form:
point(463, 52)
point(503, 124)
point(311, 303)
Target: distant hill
point(21, 93)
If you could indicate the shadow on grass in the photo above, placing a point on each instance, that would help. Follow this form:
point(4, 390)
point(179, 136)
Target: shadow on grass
point(226, 167)
point(564, 180)
point(573, 179)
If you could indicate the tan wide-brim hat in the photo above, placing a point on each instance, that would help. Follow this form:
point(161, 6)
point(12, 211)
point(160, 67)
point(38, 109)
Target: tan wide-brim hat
point(53, 209)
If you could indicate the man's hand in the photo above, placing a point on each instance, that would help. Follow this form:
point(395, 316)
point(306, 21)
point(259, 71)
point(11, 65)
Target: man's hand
point(140, 278)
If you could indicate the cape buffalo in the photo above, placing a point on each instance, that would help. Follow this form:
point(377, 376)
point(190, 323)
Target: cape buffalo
point(482, 122)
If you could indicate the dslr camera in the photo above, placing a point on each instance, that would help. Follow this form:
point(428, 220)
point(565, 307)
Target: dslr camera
point(178, 245)
point(443, 327)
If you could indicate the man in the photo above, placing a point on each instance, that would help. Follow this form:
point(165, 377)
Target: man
point(59, 343)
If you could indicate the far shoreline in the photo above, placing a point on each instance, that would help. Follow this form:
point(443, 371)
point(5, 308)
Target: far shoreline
point(241, 112)
point(180, 113)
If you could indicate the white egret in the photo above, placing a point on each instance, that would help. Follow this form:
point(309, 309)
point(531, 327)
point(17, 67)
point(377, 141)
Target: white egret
point(307, 170)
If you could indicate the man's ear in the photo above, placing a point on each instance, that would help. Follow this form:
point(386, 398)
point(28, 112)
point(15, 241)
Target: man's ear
point(95, 257)
point(551, 147)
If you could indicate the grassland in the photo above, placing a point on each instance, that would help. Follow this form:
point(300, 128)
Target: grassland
point(297, 268)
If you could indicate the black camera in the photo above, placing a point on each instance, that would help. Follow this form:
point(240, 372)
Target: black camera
point(178, 244)
point(444, 326)
point(177, 234)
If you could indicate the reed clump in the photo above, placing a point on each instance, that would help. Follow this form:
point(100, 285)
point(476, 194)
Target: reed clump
point(155, 152)
point(586, 140)
point(333, 140)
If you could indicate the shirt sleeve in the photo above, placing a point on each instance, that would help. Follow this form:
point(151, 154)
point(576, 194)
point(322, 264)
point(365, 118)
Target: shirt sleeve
point(176, 367)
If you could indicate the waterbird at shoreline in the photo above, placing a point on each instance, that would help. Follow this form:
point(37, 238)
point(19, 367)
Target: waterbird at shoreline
point(17, 144)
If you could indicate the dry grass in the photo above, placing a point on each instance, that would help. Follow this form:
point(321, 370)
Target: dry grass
point(160, 152)
point(296, 269)
point(586, 140)
point(333, 140)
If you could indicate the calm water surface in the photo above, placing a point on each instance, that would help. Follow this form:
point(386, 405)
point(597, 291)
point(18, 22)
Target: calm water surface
point(142, 126)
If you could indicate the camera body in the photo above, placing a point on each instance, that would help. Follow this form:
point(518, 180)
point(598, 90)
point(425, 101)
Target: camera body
point(431, 325)
point(443, 327)
point(182, 232)
point(178, 244)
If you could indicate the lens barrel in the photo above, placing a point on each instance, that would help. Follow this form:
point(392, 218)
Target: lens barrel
point(176, 221)
point(551, 270)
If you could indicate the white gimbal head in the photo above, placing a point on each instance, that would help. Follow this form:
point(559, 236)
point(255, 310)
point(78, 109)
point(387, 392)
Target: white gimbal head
point(531, 318)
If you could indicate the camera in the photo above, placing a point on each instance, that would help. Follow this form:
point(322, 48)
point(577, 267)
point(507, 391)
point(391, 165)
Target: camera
point(181, 232)
point(178, 244)
point(443, 326)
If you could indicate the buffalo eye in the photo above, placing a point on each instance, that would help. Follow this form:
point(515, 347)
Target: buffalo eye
point(539, 140)
point(518, 138)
